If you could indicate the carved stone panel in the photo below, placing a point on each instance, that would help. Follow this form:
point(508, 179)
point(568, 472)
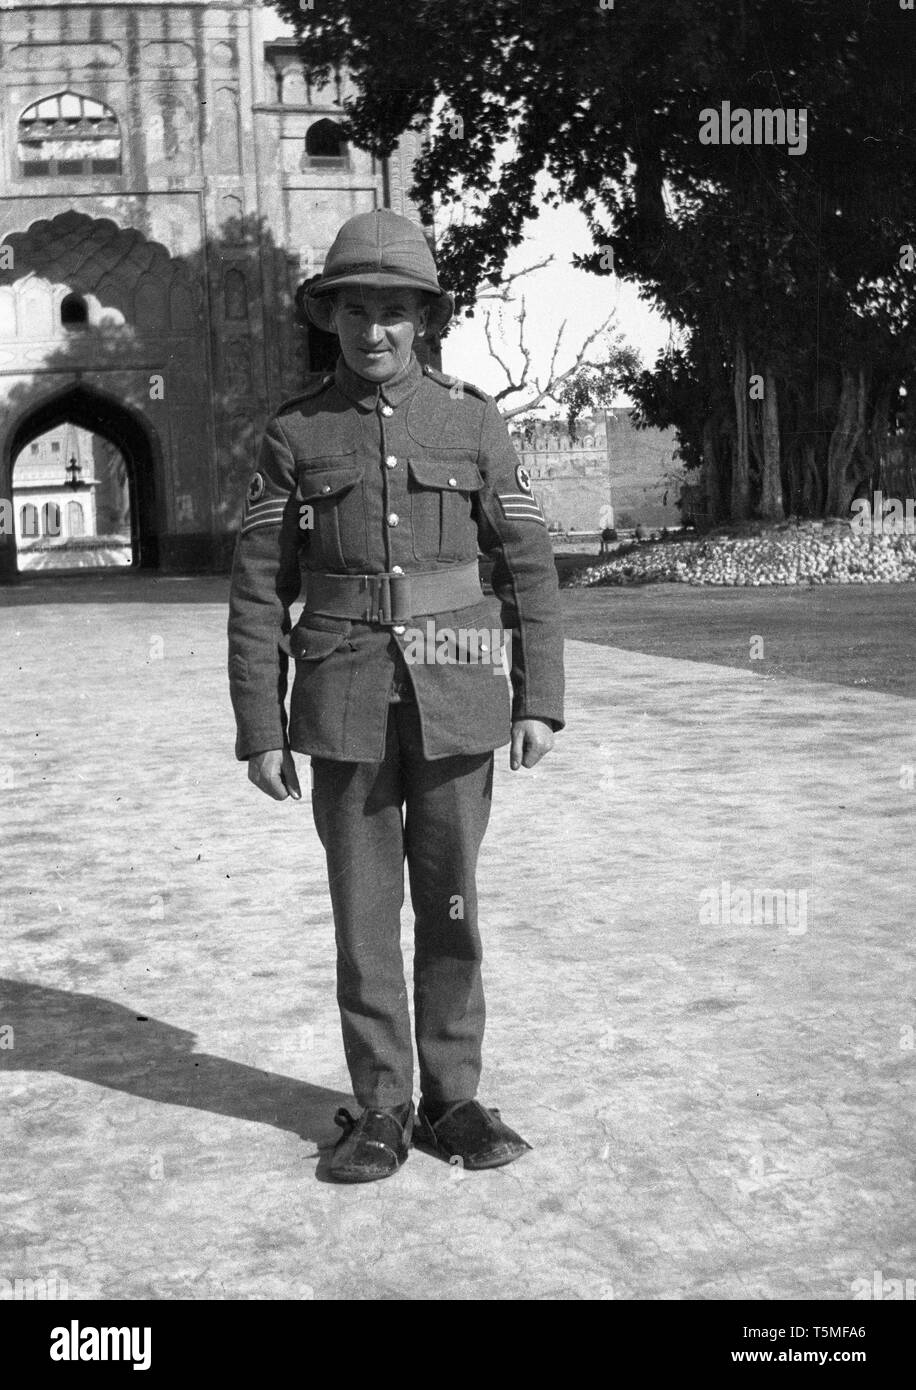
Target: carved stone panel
point(225, 131)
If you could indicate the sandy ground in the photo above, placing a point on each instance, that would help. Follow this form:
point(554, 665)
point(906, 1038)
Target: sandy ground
point(720, 1101)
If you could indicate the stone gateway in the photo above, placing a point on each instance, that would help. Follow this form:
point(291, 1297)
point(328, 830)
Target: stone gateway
point(167, 178)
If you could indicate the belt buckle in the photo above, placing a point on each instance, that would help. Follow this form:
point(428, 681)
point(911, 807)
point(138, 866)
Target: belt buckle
point(369, 584)
point(383, 600)
point(387, 598)
point(400, 598)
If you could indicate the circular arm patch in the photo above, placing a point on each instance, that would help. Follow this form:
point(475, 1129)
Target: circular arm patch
point(523, 478)
point(255, 488)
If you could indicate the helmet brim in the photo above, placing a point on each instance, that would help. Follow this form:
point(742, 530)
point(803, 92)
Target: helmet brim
point(317, 300)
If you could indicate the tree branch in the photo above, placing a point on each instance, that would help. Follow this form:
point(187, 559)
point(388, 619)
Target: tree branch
point(523, 347)
point(556, 349)
point(501, 291)
point(512, 386)
point(554, 382)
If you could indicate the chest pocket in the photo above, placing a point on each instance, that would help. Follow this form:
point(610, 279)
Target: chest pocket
point(441, 497)
point(335, 525)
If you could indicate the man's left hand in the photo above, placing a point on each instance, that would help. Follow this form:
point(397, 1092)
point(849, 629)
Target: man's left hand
point(531, 739)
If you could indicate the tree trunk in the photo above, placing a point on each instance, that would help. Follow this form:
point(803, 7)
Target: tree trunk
point(811, 492)
point(771, 481)
point(712, 476)
point(879, 434)
point(850, 424)
point(740, 500)
point(793, 462)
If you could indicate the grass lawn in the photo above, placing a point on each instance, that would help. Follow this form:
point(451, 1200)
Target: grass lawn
point(842, 634)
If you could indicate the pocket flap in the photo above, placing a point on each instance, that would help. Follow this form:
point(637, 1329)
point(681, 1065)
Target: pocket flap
point(458, 476)
point(328, 481)
point(311, 643)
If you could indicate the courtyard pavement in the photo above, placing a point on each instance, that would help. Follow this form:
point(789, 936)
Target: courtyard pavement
point(720, 1099)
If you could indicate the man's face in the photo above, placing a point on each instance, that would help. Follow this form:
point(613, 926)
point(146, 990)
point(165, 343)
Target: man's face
point(376, 329)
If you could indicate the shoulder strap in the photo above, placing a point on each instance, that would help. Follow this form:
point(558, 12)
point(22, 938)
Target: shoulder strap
point(315, 389)
point(449, 381)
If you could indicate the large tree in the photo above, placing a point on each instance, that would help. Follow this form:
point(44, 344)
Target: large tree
point(782, 270)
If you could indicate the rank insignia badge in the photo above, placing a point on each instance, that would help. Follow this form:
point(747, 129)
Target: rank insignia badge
point(261, 510)
point(519, 507)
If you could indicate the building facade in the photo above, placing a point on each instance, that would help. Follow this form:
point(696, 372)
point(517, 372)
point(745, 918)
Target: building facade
point(609, 474)
point(71, 501)
point(168, 176)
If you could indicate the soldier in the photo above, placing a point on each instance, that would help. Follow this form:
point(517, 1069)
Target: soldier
point(377, 486)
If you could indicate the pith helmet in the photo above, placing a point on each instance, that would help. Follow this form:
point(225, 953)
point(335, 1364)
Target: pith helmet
point(379, 250)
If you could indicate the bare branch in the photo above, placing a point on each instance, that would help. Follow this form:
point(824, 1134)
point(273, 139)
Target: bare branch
point(501, 291)
point(525, 351)
point(554, 382)
point(512, 386)
point(556, 349)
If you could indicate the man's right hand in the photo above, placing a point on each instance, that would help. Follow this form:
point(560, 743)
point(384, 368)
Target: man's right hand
point(274, 772)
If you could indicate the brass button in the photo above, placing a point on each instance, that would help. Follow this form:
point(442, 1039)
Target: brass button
point(399, 628)
point(393, 518)
point(391, 461)
point(387, 410)
point(453, 482)
point(396, 569)
point(326, 488)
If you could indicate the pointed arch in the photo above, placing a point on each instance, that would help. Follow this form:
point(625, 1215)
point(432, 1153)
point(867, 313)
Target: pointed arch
point(235, 295)
point(75, 519)
point(67, 135)
point(119, 424)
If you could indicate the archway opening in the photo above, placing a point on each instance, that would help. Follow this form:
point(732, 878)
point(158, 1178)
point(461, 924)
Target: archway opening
point(83, 488)
point(325, 145)
point(73, 311)
point(71, 502)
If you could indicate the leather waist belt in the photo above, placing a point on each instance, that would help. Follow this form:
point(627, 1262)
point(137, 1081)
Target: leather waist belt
point(392, 598)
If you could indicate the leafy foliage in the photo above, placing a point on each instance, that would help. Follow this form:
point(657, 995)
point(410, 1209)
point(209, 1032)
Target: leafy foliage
point(598, 384)
point(800, 253)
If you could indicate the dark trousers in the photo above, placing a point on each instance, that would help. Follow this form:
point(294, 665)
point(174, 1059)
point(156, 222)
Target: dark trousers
point(369, 817)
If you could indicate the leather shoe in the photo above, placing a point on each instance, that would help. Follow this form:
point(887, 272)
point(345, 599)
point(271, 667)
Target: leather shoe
point(468, 1131)
point(372, 1146)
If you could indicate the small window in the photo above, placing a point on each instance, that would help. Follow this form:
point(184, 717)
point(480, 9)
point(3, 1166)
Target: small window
point(50, 519)
point(34, 449)
point(68, 136)
point(55, 446)
point(73, 311)
point(325, 146)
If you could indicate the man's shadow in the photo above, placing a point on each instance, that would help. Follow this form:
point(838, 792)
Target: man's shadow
point(96, 1040)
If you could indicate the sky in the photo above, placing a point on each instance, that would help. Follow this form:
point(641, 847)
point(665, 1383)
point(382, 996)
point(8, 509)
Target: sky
point(558, 292)
point(553, 294)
